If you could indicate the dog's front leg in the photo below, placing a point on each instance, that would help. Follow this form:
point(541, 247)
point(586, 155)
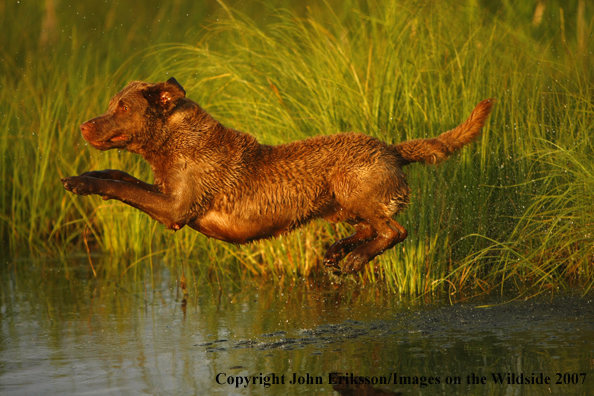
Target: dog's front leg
point(114, 174)
point(165, 208)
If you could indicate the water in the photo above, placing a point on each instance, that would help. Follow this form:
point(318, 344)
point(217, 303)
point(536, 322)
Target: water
point(63, 331)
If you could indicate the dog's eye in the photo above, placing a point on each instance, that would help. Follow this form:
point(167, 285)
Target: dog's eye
point(123, 107)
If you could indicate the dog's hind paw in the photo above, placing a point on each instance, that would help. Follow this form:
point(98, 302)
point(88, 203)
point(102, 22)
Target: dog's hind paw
point(331, 262)
point(354, 262)
point(332, 265)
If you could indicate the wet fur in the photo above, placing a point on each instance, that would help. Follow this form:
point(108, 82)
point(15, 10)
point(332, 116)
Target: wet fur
point(226, 185)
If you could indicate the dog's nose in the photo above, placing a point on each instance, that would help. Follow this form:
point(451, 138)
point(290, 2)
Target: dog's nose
point(86, 129)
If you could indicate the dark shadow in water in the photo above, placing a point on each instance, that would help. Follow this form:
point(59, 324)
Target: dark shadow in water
point(362, 390)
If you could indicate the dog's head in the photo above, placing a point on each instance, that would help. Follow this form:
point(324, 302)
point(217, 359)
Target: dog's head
point(136, 115)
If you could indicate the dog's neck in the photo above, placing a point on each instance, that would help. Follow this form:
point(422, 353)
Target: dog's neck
point(201, 144)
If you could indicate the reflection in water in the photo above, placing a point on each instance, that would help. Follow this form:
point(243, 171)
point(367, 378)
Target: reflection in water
point(362, 390)
point(64, 331)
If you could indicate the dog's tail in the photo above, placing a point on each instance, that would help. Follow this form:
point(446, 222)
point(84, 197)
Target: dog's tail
point(435, 150)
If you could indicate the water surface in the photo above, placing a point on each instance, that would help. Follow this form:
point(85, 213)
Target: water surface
point(64, 331)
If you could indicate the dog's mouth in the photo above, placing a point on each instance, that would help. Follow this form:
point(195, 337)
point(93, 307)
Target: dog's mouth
point(116, 141)
point(118, 138)
point(115, 138)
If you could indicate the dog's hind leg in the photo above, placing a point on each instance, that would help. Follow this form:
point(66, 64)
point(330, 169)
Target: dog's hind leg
point(363, 233)
point(388, 232)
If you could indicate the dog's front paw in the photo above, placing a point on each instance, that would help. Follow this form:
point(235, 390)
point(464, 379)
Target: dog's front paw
point(80, 185)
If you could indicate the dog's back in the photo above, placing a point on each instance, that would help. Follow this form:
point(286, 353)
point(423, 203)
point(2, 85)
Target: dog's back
point(337, 176)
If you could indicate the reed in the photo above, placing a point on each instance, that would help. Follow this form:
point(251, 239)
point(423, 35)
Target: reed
point(510, 209)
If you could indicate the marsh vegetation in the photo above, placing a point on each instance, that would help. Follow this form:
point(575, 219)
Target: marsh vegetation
point(513, 209)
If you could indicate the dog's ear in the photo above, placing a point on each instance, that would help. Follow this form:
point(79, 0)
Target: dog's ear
point(165, 94)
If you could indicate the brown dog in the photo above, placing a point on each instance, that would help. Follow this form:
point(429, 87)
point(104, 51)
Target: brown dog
point(226, 185)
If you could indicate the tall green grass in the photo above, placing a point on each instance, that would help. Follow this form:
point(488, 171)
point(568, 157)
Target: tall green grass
point(510, 209)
